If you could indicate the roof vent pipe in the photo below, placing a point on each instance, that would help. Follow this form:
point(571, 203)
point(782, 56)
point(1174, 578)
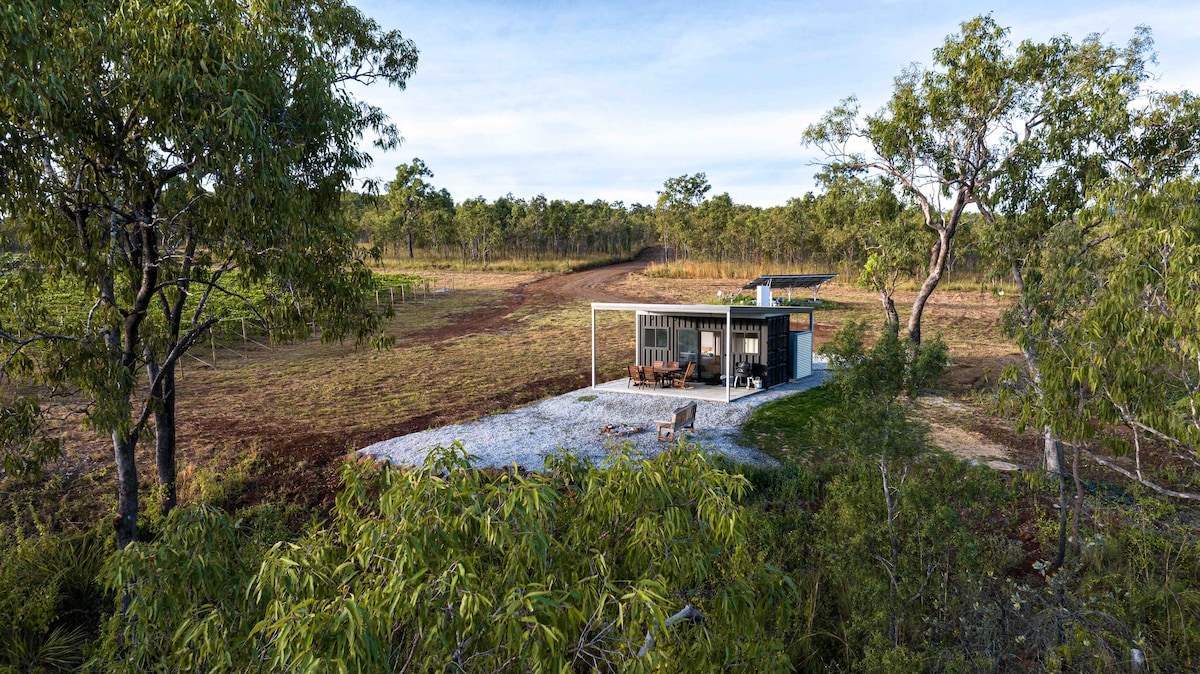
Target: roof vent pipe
point(764, 296)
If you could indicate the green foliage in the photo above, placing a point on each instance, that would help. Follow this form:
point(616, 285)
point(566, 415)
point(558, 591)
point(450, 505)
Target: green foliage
point(189, 596)
point(889, 369)
point(148, 152)
point(50, 600)
point(1108, 324)
point(905, 559)
point(450, 566)
point(23, 447)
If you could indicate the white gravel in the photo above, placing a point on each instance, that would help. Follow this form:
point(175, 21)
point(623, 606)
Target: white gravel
point(525, 436)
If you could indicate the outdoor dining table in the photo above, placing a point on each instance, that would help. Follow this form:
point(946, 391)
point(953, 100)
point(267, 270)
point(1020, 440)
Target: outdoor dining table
point(663, 373)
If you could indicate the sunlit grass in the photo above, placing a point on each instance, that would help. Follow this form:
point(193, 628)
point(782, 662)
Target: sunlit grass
point(783, 428)
point(848, 275)
point(546, 265)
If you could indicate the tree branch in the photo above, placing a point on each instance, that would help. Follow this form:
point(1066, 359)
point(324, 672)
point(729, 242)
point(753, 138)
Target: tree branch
point(1140, 480)
point(689, 613)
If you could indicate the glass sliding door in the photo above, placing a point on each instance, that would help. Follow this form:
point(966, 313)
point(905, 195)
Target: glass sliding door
point(687, 346)
point(710, 353)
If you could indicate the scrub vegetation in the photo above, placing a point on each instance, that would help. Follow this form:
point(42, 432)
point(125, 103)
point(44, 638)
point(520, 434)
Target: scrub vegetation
point(184, 260)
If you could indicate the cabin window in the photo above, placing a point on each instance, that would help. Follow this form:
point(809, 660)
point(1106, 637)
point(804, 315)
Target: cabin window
point(655, 338)
point(745, 342)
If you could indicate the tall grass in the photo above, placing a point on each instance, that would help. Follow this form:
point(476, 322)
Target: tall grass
point(970, 280)
point(548, 265)
point(707, 269)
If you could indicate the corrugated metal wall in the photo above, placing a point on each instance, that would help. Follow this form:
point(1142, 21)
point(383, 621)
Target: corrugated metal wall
point(777, 350)
point(801, 354)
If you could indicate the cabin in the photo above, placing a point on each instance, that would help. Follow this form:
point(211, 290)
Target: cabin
point(772, 338)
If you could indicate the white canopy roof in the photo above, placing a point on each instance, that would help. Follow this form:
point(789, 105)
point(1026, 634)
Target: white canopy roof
point(722, 310)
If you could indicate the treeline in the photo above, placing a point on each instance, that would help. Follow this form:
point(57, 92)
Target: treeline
point(412, 215)
point(835, 227)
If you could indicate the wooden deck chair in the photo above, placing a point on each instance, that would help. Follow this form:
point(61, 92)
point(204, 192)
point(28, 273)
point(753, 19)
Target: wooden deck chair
point(680, 381)
point(646, 376)
point(635, 376)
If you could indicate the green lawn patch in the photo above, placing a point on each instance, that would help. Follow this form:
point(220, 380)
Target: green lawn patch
point(782, 428)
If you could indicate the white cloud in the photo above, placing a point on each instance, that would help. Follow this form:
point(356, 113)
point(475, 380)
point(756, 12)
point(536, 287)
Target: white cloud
point(607, 101)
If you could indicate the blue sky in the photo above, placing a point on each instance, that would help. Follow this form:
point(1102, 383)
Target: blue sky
point(606, 100)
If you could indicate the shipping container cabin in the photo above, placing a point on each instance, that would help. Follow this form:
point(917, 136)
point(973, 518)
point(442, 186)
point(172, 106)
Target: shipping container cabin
point(776, 341)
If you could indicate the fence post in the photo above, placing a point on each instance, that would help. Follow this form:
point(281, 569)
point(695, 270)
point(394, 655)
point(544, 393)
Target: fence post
point(244, 332)
point(212, 341)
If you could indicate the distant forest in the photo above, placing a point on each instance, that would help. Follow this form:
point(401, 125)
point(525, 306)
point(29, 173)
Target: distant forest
point(838, 227)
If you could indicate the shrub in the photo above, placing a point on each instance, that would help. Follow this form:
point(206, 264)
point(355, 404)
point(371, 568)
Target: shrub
point(451, 566)
point(49, 600)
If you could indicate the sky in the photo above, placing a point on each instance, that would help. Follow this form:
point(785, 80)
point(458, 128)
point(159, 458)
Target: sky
point(607, 100)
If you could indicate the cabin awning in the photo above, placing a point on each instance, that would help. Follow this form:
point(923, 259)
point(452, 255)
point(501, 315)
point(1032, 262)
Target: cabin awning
point(718, 310)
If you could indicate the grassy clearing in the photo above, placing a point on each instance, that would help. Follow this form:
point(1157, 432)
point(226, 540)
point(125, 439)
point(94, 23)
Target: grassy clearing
point(703, 269)
point(783, 428)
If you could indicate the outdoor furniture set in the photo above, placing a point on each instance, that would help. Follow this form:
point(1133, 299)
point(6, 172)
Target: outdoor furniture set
point(661, 375)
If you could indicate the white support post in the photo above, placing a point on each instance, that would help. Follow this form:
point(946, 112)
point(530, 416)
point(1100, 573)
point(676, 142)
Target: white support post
point(593, 347)
point(637, 338)
point(728, 349)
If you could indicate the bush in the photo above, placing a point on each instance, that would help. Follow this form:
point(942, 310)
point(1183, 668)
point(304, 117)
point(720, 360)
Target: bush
point(49, 600)
point(450, 566)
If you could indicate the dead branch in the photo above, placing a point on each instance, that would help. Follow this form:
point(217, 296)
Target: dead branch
point(1140, 480)
point(689, 613)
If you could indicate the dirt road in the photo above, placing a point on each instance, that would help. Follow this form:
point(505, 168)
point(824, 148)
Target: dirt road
point(595, 285)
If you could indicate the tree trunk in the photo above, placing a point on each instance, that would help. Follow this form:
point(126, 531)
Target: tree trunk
point(939, 256)
point(1052, 453)
point(125, 522)
point(889, 308)
point(164, 437)
point(894, 553)
point(1078, 506)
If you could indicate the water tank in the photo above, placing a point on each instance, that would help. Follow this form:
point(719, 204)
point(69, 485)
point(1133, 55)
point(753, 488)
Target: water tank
point(764, 296)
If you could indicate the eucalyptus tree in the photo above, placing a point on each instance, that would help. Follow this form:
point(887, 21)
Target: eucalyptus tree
point(157, 156)
point(950, 131)
point(1133, 351)
point(1101, 125)
point(408, 196)
point(438, 220)
point(679, 198)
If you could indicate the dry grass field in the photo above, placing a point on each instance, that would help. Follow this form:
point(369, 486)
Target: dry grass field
point(273, 424)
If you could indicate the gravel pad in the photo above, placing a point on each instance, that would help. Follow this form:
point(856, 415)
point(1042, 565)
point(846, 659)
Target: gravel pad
point(575, 420)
